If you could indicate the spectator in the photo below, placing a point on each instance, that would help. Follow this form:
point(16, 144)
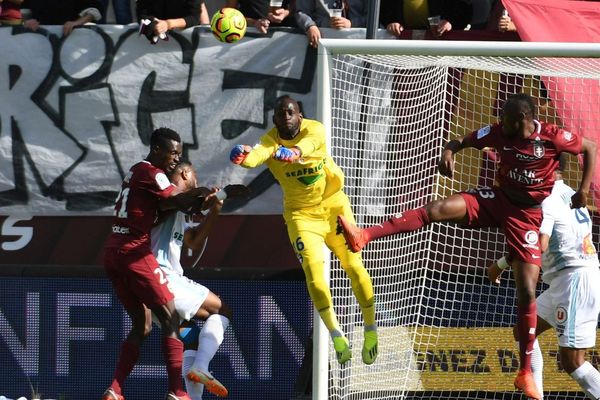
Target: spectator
point(482, 10)
point(397, 15)
point(10, 12)
point(263, 13)
point(68, 13)
point(505, 23)
point(122, 9)
point(338, 14)
point(172, 14)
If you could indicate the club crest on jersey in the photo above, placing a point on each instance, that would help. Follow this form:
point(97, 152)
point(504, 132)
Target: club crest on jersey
point(560, 315)
point(538, 149)
point(567, 135)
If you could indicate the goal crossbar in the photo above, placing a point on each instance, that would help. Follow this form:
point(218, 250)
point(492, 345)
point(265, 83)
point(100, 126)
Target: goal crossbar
point(460, 48)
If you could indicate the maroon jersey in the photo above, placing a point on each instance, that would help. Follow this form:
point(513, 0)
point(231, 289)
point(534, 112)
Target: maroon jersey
point(137, 205)
point(526, 168)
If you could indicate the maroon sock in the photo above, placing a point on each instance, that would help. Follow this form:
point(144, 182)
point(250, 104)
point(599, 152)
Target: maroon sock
point(526, 324)
point(173, 352)
point(408, 221)
point(130, 352)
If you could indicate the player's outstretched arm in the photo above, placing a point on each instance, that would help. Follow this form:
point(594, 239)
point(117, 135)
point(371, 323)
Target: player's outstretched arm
point(446, 164)
point(239, 153)
point(183, 201)
point(195, 238)
point(588, 148)
point(288, 154)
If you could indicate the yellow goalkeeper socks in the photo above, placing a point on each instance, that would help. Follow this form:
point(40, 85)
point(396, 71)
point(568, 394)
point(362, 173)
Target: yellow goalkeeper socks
point(329, 319)
point(369, 315)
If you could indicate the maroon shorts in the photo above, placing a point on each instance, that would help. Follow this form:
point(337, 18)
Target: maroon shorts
point(137, 278)
point(489, 207)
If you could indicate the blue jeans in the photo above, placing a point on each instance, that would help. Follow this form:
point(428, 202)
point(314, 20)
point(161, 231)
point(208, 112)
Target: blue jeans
point(122, 10)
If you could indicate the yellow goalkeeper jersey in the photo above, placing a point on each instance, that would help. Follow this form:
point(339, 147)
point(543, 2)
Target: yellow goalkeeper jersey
point(310, 180)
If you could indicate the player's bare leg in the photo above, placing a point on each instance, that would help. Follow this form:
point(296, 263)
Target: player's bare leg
point(584, 373)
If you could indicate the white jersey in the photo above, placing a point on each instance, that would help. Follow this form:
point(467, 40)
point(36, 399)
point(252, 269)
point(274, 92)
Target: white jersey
point(167, 241)
point(570, 232)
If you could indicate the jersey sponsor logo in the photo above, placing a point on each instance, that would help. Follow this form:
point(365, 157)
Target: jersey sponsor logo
point(588, 245)
point(531, 237)
point(310, 179)
point(560, 315)
point(524, 176)
point(526, 157)
point(122, 230)
point(162, 181)
point(482, 132)
point(178, 238)
point(306, 171)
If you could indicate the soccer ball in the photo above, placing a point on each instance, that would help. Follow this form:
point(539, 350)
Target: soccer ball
point(228, 25)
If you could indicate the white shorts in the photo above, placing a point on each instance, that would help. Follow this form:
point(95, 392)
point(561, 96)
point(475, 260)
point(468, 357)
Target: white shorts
point(571, 305)
point(189, 295)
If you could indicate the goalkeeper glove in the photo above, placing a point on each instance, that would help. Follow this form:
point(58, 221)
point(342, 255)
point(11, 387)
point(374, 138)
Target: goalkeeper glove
point(289, 155)
point(239, 153)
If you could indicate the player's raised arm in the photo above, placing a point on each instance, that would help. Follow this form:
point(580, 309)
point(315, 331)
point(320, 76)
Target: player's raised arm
point(183, 201)
point(446, 164)
point(588, 148)
point(195, 238)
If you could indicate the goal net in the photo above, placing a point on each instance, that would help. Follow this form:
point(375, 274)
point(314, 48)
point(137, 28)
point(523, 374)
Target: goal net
point(445, 331)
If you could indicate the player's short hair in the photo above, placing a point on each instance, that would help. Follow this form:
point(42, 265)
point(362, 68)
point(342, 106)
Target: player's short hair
point(180, 167)
point(161, 137)
point(524, 101)
point(284, 97)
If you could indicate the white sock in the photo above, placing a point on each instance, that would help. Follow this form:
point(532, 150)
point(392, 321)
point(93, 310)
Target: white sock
point(537, 366)
point(194, 389)
point(588, 378)
point(209, 340)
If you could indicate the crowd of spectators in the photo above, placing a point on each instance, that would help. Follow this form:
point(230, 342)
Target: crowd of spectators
point(308, 16)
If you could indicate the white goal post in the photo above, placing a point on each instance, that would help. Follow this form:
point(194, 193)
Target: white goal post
point(389, 106)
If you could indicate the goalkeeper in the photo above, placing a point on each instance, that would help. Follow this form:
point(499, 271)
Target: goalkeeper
point(295, 152)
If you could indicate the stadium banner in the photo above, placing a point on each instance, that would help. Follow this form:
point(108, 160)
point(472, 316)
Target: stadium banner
point(77, 112)
point(61, 338)
point(579, 23)
point(442, 359)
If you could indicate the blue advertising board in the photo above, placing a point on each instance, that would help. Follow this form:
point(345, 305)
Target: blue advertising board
point(62, 336)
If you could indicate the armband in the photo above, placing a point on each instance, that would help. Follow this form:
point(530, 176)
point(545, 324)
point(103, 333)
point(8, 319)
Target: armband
point(502, 263)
